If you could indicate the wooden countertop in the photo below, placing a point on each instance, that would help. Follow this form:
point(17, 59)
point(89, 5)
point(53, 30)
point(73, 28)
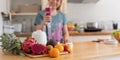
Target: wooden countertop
point(81, 51)
point(75, 33)
point(72, 33)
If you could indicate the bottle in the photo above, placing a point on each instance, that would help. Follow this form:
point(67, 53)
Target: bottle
point(115, 25)
point(48, 11)
point(81, 28)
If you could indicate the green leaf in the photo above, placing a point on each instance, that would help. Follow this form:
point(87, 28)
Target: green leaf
point(13, 36)
point(21, 53)
point(14, 51)
point(12, 47)
point(4, 51)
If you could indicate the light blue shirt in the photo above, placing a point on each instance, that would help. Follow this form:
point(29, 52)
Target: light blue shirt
point(56, 30)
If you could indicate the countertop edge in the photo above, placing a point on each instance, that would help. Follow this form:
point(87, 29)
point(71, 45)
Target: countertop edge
point(71, 33)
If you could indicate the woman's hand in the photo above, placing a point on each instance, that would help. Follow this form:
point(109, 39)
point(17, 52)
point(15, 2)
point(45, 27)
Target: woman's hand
point(47, 18)
point(65, 41)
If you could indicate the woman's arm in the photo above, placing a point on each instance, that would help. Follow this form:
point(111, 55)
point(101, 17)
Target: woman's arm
point(66, 34)
point(40, 26)
point(45, 20)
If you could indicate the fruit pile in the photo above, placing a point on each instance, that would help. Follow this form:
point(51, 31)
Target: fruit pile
point(70, 26)
point(30, 46)
point(54, 50)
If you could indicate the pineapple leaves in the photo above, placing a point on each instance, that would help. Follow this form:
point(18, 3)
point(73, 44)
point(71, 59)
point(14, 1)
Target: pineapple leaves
point(12, 47)
point(10, 43)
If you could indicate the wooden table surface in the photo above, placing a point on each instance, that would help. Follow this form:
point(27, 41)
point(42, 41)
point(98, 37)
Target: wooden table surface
point(81, 51)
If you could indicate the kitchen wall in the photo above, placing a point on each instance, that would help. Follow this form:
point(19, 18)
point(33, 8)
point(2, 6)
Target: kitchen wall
point(1, 25)
point(2, 8)
point(104, 12)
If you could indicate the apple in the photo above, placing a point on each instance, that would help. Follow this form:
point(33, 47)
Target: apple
point(68, 48)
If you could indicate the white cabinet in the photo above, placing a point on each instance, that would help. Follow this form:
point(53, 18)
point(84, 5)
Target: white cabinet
point(82, 38)
point(88, 38)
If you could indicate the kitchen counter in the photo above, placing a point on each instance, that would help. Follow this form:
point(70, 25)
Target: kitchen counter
point(81, 51)
point(72, 33)
point(75, 33)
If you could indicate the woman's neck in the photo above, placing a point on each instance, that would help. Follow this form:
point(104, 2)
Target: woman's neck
point(54, 12)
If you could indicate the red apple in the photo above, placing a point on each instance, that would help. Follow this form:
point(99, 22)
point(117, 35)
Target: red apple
point(68, 48)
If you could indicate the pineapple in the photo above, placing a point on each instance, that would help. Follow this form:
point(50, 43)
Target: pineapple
point(10, 44)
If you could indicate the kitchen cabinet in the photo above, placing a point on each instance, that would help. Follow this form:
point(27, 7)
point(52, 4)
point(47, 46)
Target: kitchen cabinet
point(82, 38)
point(15, 5)
point(88, 38)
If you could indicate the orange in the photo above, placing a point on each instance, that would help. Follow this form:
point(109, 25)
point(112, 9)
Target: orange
point(54, 53)
point(60, 47)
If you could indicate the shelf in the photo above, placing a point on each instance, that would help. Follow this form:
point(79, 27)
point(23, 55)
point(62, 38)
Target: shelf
point(15, 14)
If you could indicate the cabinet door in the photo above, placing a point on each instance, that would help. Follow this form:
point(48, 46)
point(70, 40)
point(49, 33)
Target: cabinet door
point(62, 9)
point(88, 38)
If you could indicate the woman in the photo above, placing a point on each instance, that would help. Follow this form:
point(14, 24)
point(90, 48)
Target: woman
point(58, 30)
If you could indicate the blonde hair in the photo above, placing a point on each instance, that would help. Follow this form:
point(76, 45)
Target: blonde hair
point(60, 5)
point(62, 8)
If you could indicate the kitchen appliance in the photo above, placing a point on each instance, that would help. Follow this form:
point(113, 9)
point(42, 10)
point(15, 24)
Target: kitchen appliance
point(8, 29)
point(40, 36)
point(92, 27)
point(93, 30)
